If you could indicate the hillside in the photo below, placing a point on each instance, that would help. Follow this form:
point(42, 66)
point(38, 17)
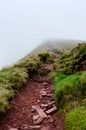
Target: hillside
point(69, 77)
point(55, 45)
point(33, 83)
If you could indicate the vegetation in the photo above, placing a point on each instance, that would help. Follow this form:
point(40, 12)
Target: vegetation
point(46, 57)
point(72, 61)
point(11, 79)
point(76, 119)
point(70, 91)
point(14, 77)
point(69, 75)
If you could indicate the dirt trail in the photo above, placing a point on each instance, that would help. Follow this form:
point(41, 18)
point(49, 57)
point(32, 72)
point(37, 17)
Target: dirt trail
point(33, 106)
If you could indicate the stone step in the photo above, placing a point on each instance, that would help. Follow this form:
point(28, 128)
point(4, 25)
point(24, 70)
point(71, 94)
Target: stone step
point(38, 121)
point(53, 109)
point(36, 127)
point(40, 111)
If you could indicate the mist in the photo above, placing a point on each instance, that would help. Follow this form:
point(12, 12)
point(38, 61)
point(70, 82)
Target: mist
point(25, 24)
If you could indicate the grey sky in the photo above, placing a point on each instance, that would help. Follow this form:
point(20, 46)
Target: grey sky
point(24, 24)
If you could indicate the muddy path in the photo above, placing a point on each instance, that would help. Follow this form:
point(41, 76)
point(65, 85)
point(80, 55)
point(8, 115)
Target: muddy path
point(34, 108)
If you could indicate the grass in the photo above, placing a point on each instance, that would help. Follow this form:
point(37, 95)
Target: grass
point(69, 76)
point(76, 119)
point(11, 80)
point(72, 61)
point(46, 57)
point(14, 77)
point(70, 90)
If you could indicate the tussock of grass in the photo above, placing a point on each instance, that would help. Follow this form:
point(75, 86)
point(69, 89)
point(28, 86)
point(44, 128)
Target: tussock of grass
point(46, 57)
point(5, 94)
point(31, 64)
point(11, 79)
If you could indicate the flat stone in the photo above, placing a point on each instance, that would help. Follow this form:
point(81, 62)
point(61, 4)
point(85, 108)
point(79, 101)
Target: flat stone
point(43, 92)
point(53, 109)
point(38, 121)
point(36, 127)
point(51, 103)
point(44, 105)
point(35, 117)
point(13, 129)
point(45, 84)
point(40, 111)
point(32, 110)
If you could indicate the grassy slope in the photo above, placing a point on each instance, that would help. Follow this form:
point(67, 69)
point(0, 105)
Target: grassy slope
point(69, 79)
point(70, 86)
point(14, 77)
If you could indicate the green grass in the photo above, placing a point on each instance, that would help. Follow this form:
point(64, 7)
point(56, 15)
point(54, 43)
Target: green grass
point(72, 61)
point(70, 90)
point(76, 119)
point(11, 80)
point(46, 57)
point(14, 77)
point(69, 76)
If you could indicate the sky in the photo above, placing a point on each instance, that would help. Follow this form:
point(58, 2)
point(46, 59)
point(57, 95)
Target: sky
point(24, 24)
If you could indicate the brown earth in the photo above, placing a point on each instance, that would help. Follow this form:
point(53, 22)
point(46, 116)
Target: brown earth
point(20, 115)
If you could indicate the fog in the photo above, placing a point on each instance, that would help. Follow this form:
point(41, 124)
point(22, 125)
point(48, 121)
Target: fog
point(25, 24)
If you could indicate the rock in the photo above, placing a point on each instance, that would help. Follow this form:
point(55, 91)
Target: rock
point(51, 120)
point(43, 92)
point(13, 129)
point(36, 127)
point(44, 105)
point(45, 84)
point(38, 121)
point(38, 101)
point(54, 108)
point(32, 110)
point(35, 117)
point(40, 111)
point(51, 103)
